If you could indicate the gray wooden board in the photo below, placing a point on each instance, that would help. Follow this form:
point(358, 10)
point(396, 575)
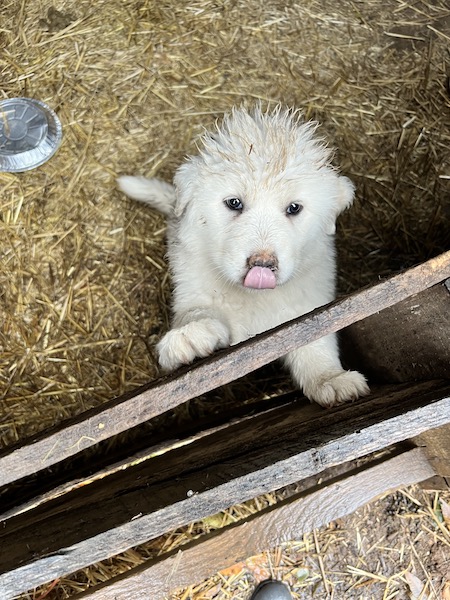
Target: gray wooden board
point(284, 522)
point(129, 411)
point(406, 342)
point(20, 498)
point(211, 474)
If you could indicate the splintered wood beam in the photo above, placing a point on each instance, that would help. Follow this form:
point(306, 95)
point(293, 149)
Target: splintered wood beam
point(225, 366)
point(286, 521)
point(103, 518)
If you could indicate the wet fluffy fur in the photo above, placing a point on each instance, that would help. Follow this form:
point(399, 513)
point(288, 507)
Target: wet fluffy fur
point(268, 161)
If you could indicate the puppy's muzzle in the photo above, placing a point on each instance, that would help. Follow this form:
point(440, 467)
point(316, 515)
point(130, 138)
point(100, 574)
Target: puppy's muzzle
point(261, 274)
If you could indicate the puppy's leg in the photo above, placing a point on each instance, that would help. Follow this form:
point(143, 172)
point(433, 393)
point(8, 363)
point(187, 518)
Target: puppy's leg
point(316, 368)
point(197, 333)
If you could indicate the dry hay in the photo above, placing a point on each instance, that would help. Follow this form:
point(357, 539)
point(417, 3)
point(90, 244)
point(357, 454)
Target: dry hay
point(83, 285)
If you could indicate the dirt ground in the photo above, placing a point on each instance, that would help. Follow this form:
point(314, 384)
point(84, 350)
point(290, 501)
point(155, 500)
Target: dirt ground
point(396, 547)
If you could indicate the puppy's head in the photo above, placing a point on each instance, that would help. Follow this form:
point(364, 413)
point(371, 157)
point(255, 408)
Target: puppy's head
point(264, 196)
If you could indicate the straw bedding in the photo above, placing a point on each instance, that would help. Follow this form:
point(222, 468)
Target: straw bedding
point(84, 290)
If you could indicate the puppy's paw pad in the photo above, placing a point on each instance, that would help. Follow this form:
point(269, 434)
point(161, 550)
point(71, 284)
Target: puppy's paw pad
point(197, 339)
point(343, 387)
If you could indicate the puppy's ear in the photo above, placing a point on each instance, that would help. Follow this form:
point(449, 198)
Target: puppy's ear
point(184, 187)
point(344, 198)
point(346, 193)
point(183, 197)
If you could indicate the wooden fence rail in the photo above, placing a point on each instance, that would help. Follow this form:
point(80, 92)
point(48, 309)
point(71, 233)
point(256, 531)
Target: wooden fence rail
point(151, 400)
point(52, 527)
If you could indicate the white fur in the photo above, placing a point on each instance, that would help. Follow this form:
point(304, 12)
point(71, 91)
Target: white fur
point(157, 193)
point(268, 161)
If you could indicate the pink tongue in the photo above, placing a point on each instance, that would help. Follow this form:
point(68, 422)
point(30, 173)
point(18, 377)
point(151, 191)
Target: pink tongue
point(260, 278)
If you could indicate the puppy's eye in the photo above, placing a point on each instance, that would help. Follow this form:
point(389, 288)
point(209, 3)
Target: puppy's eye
point(294, 208)
point(234, 203)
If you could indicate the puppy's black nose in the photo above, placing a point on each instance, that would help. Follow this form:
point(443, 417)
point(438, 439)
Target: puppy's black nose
point(263, 259)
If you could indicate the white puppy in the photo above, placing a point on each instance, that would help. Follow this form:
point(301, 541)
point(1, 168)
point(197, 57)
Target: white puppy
point(251, 243)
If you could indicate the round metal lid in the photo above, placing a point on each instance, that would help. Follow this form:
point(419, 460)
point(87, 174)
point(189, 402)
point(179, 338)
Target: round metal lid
point(30, 133)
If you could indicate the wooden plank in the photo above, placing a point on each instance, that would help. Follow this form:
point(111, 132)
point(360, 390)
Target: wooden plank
point(213, 473)
point(287, 521)
point(153, 399)
point(406, 342)
point(46, 489)
point(437, 446)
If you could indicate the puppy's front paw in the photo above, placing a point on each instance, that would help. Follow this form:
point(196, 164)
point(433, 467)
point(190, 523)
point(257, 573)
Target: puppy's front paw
point(337, 389)
point(194, 340)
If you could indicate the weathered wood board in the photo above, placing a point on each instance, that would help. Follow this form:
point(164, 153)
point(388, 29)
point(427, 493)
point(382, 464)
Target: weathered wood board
point(57, 530)
point(410, 342)
point(426, 312)
point(149, 401)
point(189, 483)
point(406, 342)
point(286, 521)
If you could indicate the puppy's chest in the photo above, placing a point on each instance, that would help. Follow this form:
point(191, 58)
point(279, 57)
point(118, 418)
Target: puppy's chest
point(252, 316)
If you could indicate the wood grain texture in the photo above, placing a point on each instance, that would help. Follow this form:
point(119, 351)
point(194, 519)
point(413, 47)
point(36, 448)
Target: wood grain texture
point(406, 342)
point(153, 399)
point(31, 494)
point(190, 483)
point(285, 522)
point(437, 445)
